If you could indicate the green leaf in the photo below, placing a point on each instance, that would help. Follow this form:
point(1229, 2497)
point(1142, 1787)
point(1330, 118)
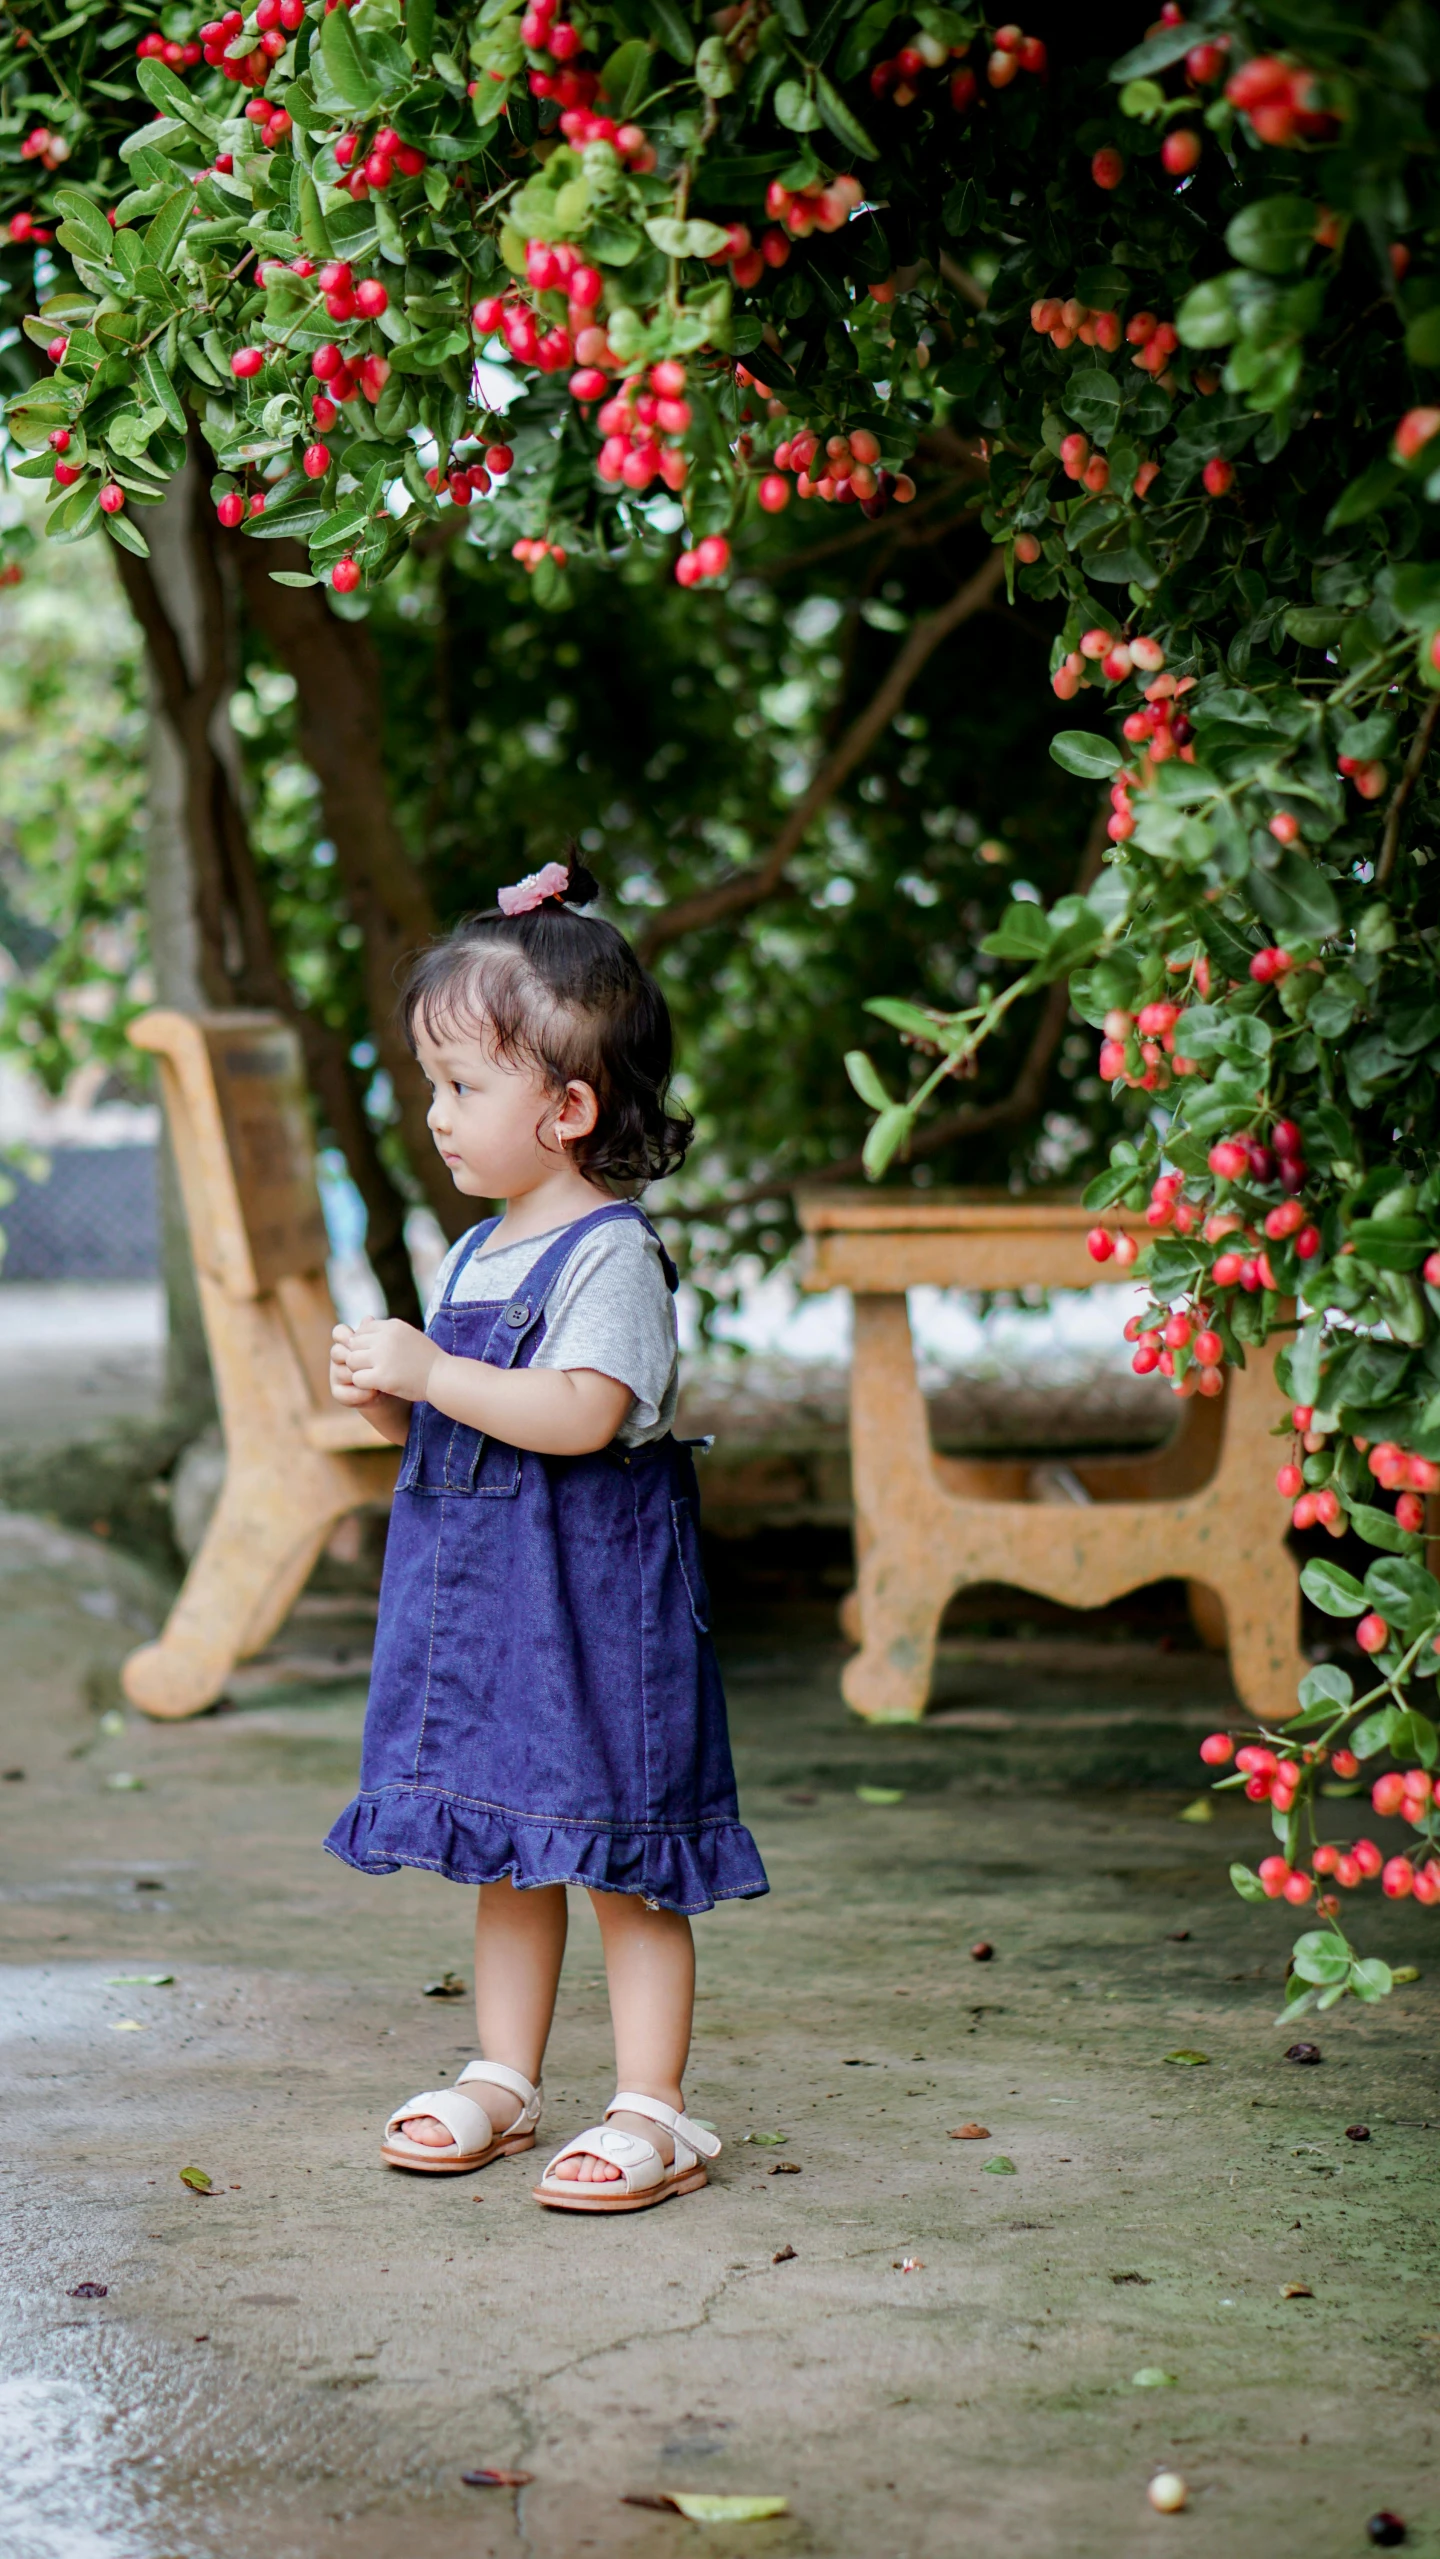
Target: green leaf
point(1333, 1589)
point(1422, 338)
point(1189, 2060)
point(701, 2507)
point(164, 235)
point(1092, 399)
point(881, 1794)
point(420, 28)
point(313, 230)
point(886, 1138)
point(909, 1018)
point(686, 239)
point(198, 2181)
point(82, 216)
point(1080, 751)
point(1207, 316)
point(999, 2166)
point(127, 535)
point(866, 1080)
point(294, 577)
point(1155, 54)
point(846, 127)
point(1314, 628)
point(1379, 1528)
point(1296, 898)
point(1023, 933)
point(173, 98)
point(1247, 1884)
point(1373, 1733)
point(1370, 1979)
point(1321, 1956)
point(714, 72)
point(1276, 235)
point(1326, 1685)
point(795, 108)
point(346, 64)
point(625, 74)
point(1380, 481)
point(673, 29)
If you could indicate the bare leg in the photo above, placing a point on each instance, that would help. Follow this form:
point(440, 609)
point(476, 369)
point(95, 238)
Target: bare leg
point(650, 1967)
point(519, 1948)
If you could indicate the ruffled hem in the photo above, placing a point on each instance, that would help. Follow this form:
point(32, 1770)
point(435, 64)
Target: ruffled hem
point(477, 1844)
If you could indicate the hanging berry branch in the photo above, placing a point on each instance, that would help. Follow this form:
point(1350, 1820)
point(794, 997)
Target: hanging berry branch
point(583, 279)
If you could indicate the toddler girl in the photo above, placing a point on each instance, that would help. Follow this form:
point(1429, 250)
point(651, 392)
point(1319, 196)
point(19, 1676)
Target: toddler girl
point(545, 1707)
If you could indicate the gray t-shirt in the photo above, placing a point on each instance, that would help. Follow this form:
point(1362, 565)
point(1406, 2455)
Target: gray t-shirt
point(610, 1309)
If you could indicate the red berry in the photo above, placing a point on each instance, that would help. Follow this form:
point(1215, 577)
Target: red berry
point(499, 459)
point(1218, 476)
point(1107, 168)
point(345, 576)
point(1180, 152)
point(1298, 1888)
point(1430, 1269)
point(1228, 1159)
point(713, 555)
point(326, 363)
point(1217, 1750)
point(1348, 1872)
point(1372, 1634)
point(1368, 1858)
point(1410, 1513)
point(774, 493)
point(246, 362)
point(1345, 1763)
point(687, 568)
point(1099, 1243)
point(315, 461)
point(1397, 1878)
point(1289, 1482)
point(231, 509)
point(1209, 1349)
point(1326, 1858)
point(371, 298)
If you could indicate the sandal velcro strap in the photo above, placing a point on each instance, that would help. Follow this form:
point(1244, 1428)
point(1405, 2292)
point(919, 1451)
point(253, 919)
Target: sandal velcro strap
point(682, 2128)
point(499, 2075)
point(468, 2125)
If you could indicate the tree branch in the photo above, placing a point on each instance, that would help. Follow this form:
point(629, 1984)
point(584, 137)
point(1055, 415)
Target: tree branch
point(971, 1118)
point(1419, 749)
point(750, 888)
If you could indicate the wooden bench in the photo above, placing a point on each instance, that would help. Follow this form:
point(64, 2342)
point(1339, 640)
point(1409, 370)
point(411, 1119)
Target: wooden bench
point(295, 1462)
point(1203, 1508)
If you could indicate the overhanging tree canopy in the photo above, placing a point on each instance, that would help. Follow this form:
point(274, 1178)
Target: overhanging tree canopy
point(1178, 314)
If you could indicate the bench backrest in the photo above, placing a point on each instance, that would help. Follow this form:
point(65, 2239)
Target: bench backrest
point(235, 1097)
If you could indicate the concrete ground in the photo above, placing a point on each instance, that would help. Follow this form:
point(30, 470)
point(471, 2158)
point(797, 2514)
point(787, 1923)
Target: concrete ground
point(923, 2351)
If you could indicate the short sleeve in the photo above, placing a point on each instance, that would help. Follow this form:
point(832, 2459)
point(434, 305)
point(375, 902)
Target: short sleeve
point(612, 1310)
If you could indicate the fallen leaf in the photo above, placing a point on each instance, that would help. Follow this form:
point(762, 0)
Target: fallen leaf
point(764, 2141)
point(1404, 1972)
point(1202, 1810)
point(1296, 2292)
point(1150, 2377)
point(139, 1981)
point(1357, 2132)
point(1176, 1936)
point(449, 1986)
point(496, 2478)
point(982, 1952)
point(800, 1799)
point(784, 2168)
point(1303, 2052)
point(698, 2508)
point(197, 2180)
point(1132, 2279)
point(999, 2166)
point(122, 1783)
point(969, 2132)
point(1189, 2060)
point(88, 2292)
point(783, 2255)
point(126, 2026)
point(908, 2265)
point(881, 1794)
point(112, 1721)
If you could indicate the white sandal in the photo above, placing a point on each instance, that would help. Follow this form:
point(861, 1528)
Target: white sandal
point(474, 2140)
point(645, 2178)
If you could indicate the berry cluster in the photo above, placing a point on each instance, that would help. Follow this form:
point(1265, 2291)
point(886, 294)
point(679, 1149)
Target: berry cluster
point(825, 204)
point(275, 22)
point(849, 472)
point(709, 559)
point(463, 482)
point(898, 77)
point(373, 169)
point(557, 42)
point(1281, 100)
point(26, 232)
point(748, 258)
point(1269, 1778)
point(1117, 658)
point(50, 149)
point(635, 424)
point(178, 57)
point(530, 554)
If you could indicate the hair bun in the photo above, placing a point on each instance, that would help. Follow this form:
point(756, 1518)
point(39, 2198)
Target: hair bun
point(582, 888)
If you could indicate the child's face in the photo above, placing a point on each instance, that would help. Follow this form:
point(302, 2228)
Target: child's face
point(497, 1123)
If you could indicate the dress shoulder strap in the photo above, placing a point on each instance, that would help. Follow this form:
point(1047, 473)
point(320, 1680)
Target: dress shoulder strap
point(469, 1246)
point(518, 1319)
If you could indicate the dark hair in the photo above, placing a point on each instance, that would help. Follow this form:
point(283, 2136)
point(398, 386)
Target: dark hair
point(565, 993)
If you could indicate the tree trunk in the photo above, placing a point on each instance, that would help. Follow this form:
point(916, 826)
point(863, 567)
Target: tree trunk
point(337, 675)
point(207, 905)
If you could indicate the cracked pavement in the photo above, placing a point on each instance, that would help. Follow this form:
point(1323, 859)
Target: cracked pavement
point(306, 2359)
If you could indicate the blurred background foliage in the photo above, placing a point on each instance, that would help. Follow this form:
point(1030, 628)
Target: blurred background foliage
point(669, 734)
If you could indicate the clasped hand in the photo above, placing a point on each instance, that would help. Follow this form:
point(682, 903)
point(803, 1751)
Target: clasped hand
point(380, 1356)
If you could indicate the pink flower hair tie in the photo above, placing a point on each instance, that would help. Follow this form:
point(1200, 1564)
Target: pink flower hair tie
point(529, 893)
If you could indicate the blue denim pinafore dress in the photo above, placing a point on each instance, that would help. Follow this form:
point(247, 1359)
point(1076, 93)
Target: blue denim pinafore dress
point(545, 1701)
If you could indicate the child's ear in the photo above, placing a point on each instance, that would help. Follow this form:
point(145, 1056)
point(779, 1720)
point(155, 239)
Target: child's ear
point(578, 1113)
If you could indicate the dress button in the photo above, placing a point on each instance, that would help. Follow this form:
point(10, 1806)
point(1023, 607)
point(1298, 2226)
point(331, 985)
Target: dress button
point(517, 1315)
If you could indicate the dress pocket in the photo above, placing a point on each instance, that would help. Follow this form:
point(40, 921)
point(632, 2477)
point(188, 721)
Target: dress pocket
point(687, 1548)
point(444, 1456)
